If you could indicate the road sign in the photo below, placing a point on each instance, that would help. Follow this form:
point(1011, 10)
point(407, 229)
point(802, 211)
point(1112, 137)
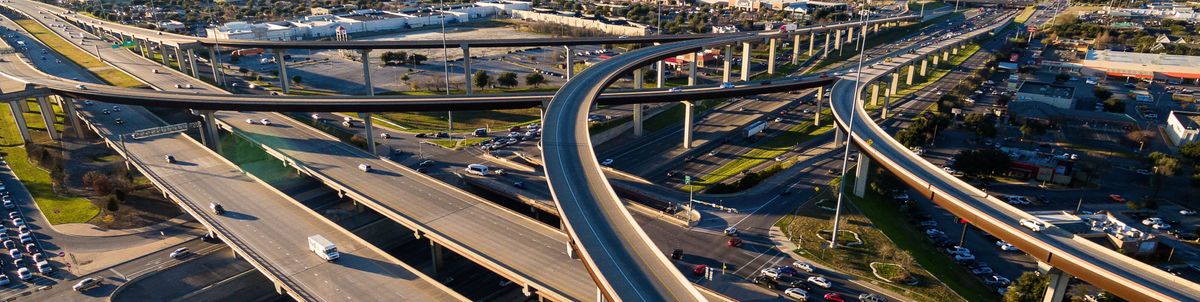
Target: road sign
point(687, 180)
point(129, 43)
point(168, 129)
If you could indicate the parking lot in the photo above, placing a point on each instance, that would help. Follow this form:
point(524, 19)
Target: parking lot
point(25, 264)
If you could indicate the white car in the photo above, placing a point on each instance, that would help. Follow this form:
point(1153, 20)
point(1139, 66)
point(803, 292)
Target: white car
point(250, 121)
point(364, 167)
point(1187, 212)
point(796, 293)
point(820, 281)
point(1034, 225)
point(1018, 200)
point(726, 85)
point(265, 122)
point(675, 89)
point(1005, 246)
point(85, 284)
point(179, 253)
point(771, 272)
point(1151, 221)
point(24, 274)
point(964, 257)
point(81, 87)
point(731, 231)
point(606, 162)
point(958, 250)
point(804, 266)
point(1161, 226)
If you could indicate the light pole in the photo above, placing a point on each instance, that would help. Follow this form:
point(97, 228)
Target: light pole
point(446, 72)
point(837, 213)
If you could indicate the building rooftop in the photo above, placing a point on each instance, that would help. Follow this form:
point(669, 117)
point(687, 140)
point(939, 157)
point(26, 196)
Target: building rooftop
point(1047, 89)
point(1190, 120)
point(1143, 58)
point(1048, 112)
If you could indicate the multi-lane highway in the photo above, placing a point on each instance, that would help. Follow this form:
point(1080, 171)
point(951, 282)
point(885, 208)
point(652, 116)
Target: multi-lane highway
point(255, 211)
point(1100, 266)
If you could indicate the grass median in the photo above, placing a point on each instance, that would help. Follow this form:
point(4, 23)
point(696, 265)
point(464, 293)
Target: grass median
point(58, 209)
point(1025, 14)
point(108, 74)
point(885, 36)
point(765, 151)
point(937, 73)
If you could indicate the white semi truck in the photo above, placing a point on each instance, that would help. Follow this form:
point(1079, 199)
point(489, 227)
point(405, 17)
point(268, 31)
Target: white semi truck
point(323, 247)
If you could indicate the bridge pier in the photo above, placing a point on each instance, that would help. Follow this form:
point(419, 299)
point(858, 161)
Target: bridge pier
point(820, 102)
point(745, 61)
point(728, 64)
point(912, 70)
point(837, 40)
point(692, 68)
point(179, 60)
point(688, 120)
point(438, 254)
point(366, 66)
point(895, 81)
point(370, 131)
point(191, 55)
point(812, 42)
point(68, 106)
point(860, 174)
point(214, 63)
point(850, 35)
point(162, 49)
point(771, 55)
point(19, 118)
point(924, 65)
point(22, 106)
point(825, 53)
point(283, 78)
point(571, 251)
point(796, 49)
point(48, 118)
point(887, 100)
point(467, 81)
point(208, 130)
point(638, 80)
point(954, 50)
point(570, 64)
point(660, 76)
point(874, 94)
point(945, 55)
point(839, 137)
point(1056, 290)
point(936, 58)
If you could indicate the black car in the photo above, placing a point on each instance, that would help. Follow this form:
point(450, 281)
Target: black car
point(442, 135)
point(422, 135)
point(801, 284)
point(218, 208)
point(677, 254)
point(765, 282)
point(519, 184)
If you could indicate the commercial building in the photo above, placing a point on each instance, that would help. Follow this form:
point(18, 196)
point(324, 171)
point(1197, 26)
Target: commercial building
point(1183, 127)
point(1055, 95)
point(364, 21)
point(1104, 229)
point(1147, 66)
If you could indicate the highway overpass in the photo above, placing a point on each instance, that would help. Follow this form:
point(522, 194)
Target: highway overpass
point(1128, 278)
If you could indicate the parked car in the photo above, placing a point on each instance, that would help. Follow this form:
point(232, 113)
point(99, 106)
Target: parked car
point(871, 298)
point(796, 294)
point(771, 272)
point(1005, 246)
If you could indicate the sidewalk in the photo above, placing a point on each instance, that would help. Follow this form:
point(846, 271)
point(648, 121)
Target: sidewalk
point(89, 230)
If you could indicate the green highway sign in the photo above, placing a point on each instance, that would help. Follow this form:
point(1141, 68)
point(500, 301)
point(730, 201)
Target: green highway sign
point(130, 43)
point(687, 180)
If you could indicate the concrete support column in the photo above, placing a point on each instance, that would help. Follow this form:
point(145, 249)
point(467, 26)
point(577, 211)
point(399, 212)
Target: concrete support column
point(850, 35)
point(179, 60)
point(936, 59)
point(571, 252)
point(692, 69)
point(368, 127)
point(72, 118)
point(887, 103)
point(468, 83)
point(924, 65)
point(876, 27)
point(820, 102)
point(283, 78)
point(162, 49)
point(23, 106)
point(688, 120)
point(728, 64)
point(895, 82)
point(660, 77)
point(213, 62)
point(637, 119)
point(48, 118)
point(837, 40)
point(144, 48)
point(860, 174)
point(191, 56)
point(796, 49)
point(745, 61)
point(954, 51)
point(438, 254)
point(812, 41)
point(874, 94)
point(839, 137)
point(771, 56)
point(945, 55)
point(366, 66)
point(570, 63)
point(912, 71)
point(208, 130)
point(825, 52)
point(1058, 285)
point(639, 78)
point(19, 118)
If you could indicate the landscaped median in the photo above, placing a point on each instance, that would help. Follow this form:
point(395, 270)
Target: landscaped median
point(937, 73)
point(58, 209)
point(891, 248)
point(108, 74)
point(764, 151)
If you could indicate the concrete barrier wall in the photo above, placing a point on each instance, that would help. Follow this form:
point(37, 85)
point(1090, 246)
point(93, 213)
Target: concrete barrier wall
point(623, 30)
point(248, 286)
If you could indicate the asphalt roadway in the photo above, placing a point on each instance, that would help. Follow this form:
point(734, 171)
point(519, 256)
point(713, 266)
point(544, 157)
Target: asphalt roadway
point(1099, 266)
point(254, 211)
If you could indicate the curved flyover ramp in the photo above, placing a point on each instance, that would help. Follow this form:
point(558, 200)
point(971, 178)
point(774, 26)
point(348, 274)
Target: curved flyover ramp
point(624, 263)
point(1099, 266)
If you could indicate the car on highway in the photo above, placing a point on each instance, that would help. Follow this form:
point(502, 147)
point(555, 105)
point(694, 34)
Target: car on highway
point(699, 270)
point(170, 159)
point(1117, 198)
point(1187, 212)
point(796, 294)
point(731, 231)
point(364, 167)
point(116, 108)
point(677, 254)
point(834, 297)
point(250, 121)
point(81, 87)
point(726, 85)
point(675, 89)
point(606, 162)
point(734, 242)
point(1021, 200)
point(1036, 226)
point(180, 253)
point(1005, 246)
point(1152, 221)
point(772, 272)
point(804, 266)
point(119, 121)
point(871, 298)
point(820, 281)
point(265, 122)
point(86, 284)
point(217, 208)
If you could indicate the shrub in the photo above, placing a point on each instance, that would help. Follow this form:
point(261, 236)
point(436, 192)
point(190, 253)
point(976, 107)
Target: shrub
point(112, 204)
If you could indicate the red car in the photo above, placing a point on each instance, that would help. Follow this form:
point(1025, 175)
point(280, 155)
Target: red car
point(834, 297)
point(700, 270)
point(735, 242)
point(1116, 198)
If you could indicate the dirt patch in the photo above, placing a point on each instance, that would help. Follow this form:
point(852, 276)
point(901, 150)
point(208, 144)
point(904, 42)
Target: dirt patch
point(141, 208)
point(137, 204)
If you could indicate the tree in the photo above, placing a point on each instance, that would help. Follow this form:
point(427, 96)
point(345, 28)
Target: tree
point(534, 79)
point(482, 79)
point(982, 162)
point(1102, 93)
point(404, 77)
point(507, 79)
point(1029, 287)
point(1190, 150)
point(1032, 128)
point(296, 79)
point(416, 59)
point(910, 138)
point(981, 124)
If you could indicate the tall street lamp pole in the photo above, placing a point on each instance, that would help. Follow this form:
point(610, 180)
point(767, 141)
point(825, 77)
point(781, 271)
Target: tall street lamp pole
point(837, 213)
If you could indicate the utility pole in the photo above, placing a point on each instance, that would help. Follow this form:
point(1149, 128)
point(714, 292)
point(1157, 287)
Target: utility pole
point(1078, 206)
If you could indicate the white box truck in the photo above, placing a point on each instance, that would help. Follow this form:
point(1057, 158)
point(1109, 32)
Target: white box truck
point(322, 247)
